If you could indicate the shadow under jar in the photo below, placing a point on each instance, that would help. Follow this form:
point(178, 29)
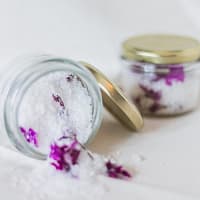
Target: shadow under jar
point(161, 73)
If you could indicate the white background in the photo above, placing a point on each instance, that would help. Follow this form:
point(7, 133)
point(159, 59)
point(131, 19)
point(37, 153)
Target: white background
point(92, 30)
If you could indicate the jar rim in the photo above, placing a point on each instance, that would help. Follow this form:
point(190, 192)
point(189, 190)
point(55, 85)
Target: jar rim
point(31, 73)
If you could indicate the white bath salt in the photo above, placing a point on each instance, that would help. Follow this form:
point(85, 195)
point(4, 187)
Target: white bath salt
point(45, 183)
point(134, 160)
point(153, 94)
point(56, 104)
point(34, 179)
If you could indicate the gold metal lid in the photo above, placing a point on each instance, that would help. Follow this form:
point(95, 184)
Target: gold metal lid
point(116, 102)
point(161, 49)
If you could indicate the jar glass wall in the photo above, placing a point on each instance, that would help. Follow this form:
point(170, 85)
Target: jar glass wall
point(161, 89)
point(28, 73)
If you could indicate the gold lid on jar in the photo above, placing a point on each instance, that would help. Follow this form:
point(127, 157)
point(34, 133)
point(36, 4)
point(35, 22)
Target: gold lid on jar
point(116, 102)
point(161, 49)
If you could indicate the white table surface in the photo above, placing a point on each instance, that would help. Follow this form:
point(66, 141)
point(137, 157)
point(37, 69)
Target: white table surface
point(165, 154)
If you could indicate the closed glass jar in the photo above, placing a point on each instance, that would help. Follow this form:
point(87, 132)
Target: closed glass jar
point(19, 78)
point(160, 73)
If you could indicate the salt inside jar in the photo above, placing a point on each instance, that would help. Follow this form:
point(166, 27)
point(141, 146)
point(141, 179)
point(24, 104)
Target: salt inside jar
point(161, 73)
point(65, 105)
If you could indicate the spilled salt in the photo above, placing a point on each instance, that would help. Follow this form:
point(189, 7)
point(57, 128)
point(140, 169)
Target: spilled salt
point(36, 180)
point(46, 183)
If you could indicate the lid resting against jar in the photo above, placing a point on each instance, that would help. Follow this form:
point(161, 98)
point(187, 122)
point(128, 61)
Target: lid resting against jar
point(116, 102)
point(161, 49)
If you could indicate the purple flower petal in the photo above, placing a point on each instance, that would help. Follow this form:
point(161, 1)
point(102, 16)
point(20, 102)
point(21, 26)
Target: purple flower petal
point(150, 93)
point(70, 77)
point(116, 171)
point(59, 100)
point(136, 68)
point(30, 135)
point(22, 129)
point(74, 156)
point(64, 156)
point(176, 73)
point(58, 166)
point(154, 108)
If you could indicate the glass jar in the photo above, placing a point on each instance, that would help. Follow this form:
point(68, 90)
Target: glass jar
point(161, 73)
point(24, 73)
point(28, 79)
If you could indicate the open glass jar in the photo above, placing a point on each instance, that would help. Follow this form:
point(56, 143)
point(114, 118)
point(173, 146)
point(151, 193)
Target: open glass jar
point(46, 97)
point(161, 73)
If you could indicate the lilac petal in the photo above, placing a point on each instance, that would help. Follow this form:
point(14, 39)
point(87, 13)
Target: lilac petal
point(57, 166)
point(64, 156)
point(22, 129)
point(74, 156)
point(112, 175)
point(137, 100)
point(109, 165)
point(59, 100)
point(176, 73)
point(154, 108)
point(31, 135)
point(70, 77)
point(126, 173)
point(66, 166)
point(136, 68)
point(116, 171)
point(150, 93)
